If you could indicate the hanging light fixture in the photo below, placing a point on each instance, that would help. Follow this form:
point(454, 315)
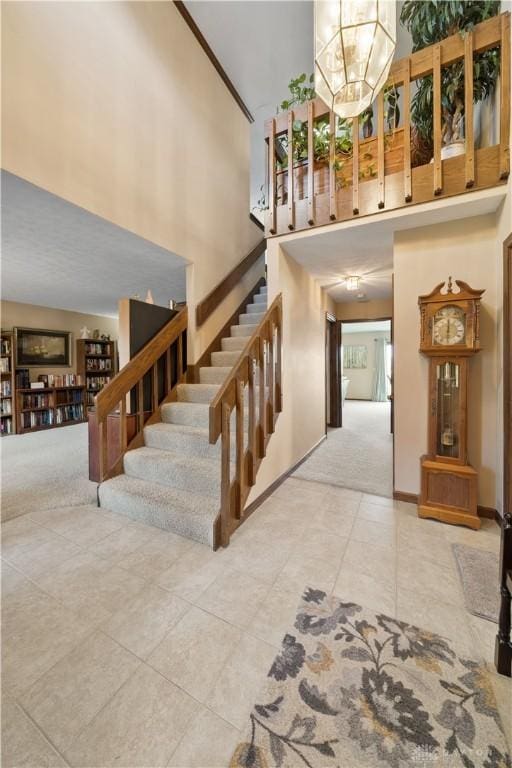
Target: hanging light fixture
point(352, 283)
point(354, 45)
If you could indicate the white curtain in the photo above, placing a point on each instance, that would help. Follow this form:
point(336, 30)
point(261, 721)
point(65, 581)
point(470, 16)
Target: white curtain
point(379, 379)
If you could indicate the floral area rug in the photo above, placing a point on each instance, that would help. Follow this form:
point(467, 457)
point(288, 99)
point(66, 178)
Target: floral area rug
point(355, 689)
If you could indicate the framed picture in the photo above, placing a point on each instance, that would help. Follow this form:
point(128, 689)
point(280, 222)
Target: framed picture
point(355, 356)
point(35, 347)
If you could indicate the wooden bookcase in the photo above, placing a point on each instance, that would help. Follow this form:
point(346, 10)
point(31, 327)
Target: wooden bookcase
point(50, 407)
point(7, 388)
point(96, 362)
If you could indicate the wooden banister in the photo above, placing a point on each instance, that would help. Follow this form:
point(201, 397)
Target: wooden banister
point(131, 399)
point(208, 305)
point(383, 171)
point(254, 415)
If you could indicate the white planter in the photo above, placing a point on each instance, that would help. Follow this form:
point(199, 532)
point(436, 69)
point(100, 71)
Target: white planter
point(453, 149)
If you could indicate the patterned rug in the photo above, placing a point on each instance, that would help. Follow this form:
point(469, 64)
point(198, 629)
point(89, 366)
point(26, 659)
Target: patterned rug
point(355, 689)
point(479, 574)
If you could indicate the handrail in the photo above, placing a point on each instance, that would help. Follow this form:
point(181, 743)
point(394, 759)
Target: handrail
point(133, 397)
point(262, 352)
point(311, 193)
point(205, 307)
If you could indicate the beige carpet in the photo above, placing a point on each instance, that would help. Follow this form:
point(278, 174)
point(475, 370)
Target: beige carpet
point(357, 456)
point(45, 470)
point(354, 689)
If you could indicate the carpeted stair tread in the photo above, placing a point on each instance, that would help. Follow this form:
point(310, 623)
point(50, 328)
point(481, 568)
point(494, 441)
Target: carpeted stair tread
point(190, 414)
point(233, 343)
point(256, 309)
point(187, 514)
point(243, 330)
point(253, 318)
point(214, 374)
point(260, 298)
point(181, 439)
point(225, 358)
point(192, 473)
point(197, 393)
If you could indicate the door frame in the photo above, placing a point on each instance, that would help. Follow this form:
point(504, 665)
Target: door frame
point(507, 375)
point(333, 376)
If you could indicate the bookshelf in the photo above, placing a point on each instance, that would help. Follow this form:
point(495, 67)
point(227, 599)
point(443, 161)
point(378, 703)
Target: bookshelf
point(7, 388)
point(50, 407)
point(96, 363)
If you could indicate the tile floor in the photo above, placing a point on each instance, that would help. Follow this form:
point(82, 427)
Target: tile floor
point(124, 645)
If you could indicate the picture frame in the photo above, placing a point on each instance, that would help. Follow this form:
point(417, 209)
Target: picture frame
point(37, 347)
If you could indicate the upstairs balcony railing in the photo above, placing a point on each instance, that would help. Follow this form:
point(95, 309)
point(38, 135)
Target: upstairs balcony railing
point(384, 172)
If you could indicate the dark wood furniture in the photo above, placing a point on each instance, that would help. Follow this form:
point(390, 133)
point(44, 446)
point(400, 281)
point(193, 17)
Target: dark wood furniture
point(49, 407)
point(7, 385)
point(450, 334)
point(96, 363)
point(379, 175)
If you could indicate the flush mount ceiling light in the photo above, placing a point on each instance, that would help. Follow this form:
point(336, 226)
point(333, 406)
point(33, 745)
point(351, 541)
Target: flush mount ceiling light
point(354, 44)
point(352, 283)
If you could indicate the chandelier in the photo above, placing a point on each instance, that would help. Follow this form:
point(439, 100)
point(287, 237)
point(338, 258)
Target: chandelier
point(354, 44)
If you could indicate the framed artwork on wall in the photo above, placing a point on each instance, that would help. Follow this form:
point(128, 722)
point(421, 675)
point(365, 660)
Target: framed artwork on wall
point(355, 356)
point(36, 347)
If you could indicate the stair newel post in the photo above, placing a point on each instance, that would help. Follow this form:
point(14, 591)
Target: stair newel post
point(239, 434)
point(271, 391)
point(261, 394)
point(279, 400)
point(503, 644)
point(251, 437)
point(225, 488)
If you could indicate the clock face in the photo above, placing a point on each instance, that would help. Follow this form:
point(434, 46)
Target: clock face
point(449, 327)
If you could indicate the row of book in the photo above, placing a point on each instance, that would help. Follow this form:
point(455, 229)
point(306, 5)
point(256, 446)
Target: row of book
point(99, 364)
point(70, 396)
point(62, 380)
point(5, 347)
point(98, 382)
point(90, 399)
point(97, 349)
point(5, 408)
point(6, 426)
point(31, 419)
point(35, 401)
point(5, 389)
point(5, 366)
point(69, 413)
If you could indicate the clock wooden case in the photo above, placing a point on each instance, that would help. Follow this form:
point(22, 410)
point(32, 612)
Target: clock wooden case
point(450, 335)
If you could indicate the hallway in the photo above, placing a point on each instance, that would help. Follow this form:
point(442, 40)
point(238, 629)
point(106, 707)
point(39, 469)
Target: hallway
point(357, 456)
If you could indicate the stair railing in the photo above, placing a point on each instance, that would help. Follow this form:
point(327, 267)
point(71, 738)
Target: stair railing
point(257, 375)
point(132, 399)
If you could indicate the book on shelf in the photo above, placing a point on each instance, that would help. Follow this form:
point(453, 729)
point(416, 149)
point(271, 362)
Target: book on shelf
point(5, 408)
point(98, 364)
point(97, 382)
point(22, 378)
point(5, 389)
point(6, 426)
point(37, 385)
point(97, 348)
point(5, 347)
point(5, 365)
point(65, 413)
point(65, 380)
point(31, 419)
point(35, 401)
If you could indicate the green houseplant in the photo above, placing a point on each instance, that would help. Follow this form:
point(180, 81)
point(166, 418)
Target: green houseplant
point(428, 22)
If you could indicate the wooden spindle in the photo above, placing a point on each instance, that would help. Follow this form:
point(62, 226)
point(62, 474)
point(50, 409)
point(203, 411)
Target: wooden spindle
point(332, 171)
point(505, 85)
point(355, 166)
point(407, 132)
point(279, 338)
point(380, 149)
point(272, 177)
point(436, 68)
point(291, 207)
point(225, 483)
point(140, 404)
point(168, 371)
point(123, 426)
point(102, 441)
point(180, 358)
point(311, 164)
point(262, 432)
point(469, 163)
point(239, 437)
point(271, 390)
point(251, 427)
point(154, 387)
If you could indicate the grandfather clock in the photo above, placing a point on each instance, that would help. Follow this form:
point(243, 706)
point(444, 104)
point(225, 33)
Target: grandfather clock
point(450, 336)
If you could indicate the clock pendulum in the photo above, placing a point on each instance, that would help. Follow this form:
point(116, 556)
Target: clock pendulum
point(450, 335)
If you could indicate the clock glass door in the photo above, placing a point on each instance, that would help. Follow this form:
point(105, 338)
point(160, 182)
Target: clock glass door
point(448, 410)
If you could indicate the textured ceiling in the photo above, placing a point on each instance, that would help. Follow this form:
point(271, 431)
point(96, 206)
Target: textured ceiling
point(55, 254)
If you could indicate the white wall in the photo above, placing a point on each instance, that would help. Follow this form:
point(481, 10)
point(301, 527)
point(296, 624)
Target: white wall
point(423, 257)
point(361, 379)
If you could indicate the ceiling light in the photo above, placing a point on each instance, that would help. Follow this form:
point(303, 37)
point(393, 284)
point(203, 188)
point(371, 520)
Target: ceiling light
point(352, 283)
point(354, 44)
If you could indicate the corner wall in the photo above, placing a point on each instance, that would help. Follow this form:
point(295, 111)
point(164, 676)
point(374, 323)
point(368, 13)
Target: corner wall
point(115, 107)
point(301, 425)
point(423, 257)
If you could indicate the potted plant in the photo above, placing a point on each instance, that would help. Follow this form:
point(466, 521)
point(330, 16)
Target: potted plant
point(430, 22)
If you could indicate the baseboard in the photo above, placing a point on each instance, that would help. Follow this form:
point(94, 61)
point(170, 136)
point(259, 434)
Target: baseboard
point(279, 481)
point(486, 512)
point(215, 344)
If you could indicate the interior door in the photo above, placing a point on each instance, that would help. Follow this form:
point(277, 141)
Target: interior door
point(333, 371)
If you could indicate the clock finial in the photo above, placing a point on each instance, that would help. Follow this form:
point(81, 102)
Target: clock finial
point(449, 287)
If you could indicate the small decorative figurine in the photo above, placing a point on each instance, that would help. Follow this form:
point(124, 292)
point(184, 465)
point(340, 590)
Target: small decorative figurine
point(96, 333)
point(149, 297)
point(85, 333)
